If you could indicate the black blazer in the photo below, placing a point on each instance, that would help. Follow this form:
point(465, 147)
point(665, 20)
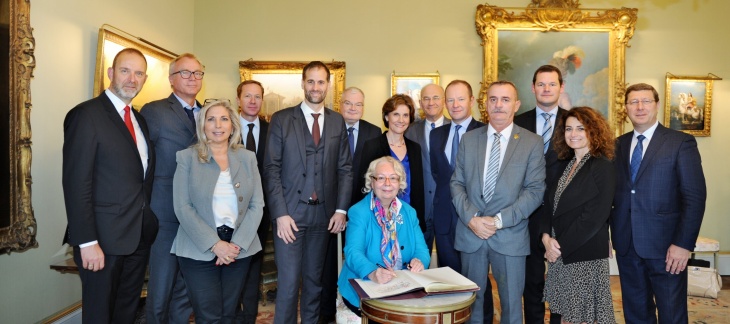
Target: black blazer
point(106, 191)
point(367, 132)
point(378, 147)
point(260, 152)
point(581, 217)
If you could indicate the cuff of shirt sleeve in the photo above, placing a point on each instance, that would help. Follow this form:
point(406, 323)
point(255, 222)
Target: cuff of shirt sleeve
point(88, 244)
point(343, 212)
point(498, 220)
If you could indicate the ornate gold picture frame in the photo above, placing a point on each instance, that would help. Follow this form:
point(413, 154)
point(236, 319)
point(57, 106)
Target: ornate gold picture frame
point(18, 226)
point(111, 41)
point(688, 103)
point(570, 25)
point(282, 81)
point(411, 85)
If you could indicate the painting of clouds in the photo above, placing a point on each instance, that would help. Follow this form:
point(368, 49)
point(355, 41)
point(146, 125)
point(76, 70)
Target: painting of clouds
point(582, 57)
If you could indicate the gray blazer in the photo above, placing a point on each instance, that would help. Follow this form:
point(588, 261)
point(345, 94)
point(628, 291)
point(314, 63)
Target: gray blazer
point(519, 190)
point(285, 162)
point(416, 133)
point(193, 199)
point(170, 131)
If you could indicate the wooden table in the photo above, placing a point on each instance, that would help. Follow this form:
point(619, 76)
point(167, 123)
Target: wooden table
point(449, 308)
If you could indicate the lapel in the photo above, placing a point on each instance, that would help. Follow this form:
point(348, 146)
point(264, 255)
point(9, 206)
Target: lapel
point(657, 140)
point(550, 149)
point(299, 127)
point(118, 122)
point(624, 143)
point(514, 140)
point(179, 112)
point(328, 131)
point(532, 120)
point(439, 144)
point(577, 192)
point(481, 156)
point(263, 131)
point(234, 165)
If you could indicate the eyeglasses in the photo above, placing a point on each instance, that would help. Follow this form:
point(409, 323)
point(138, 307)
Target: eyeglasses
point(185, 74)
point(212, 100)
point(429, 99)
point(636, 102)
point(381, 179)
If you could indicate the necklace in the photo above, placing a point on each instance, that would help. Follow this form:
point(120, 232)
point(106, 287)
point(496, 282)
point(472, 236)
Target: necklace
point(399, 144)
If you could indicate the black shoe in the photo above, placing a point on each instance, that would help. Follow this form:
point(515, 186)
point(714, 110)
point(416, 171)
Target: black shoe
point(326, 319)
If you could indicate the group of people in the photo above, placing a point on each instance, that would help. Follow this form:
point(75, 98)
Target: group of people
point(193, 188)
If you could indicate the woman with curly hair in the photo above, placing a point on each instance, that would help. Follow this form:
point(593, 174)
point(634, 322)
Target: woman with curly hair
point(575, 233)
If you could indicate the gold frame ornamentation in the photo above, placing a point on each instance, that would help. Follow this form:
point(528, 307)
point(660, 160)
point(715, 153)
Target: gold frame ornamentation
point(560, 16)
point(247, 69)
point(111, 40)
point(20, 235)
point(683, 114)
point(421, 80)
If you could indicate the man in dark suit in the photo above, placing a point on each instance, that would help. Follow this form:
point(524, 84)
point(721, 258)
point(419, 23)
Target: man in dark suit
point(308, 183)
point(352, 106)
point(658, 209)
point(250, 97)
point(498, 181)
point(445, 144)
point(432, 103)
point(172, 128)
point(547, 85)
point(108, 167)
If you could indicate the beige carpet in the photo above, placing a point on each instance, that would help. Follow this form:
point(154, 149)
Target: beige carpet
point(701, 310)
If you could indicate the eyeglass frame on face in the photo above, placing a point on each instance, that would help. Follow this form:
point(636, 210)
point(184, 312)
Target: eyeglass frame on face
point(209, 100)
point(393, 178)
point(198, 74)
point(636, 102)
point(432, 98)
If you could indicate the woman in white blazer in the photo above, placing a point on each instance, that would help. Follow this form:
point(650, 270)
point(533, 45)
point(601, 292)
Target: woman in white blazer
point(219, 202)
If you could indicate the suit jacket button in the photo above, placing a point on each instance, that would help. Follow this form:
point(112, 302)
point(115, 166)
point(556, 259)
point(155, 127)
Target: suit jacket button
point(237, 185)
point(240, 198)
point(633, 191)
point(299, 191)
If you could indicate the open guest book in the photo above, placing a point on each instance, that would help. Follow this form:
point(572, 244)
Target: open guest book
point(409, 284)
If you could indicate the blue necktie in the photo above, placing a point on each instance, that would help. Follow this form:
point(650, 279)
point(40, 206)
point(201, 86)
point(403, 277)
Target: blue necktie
point(351, 140)
point(455, 145)
point(636, 157)
point(547, 132)
point(433, 125)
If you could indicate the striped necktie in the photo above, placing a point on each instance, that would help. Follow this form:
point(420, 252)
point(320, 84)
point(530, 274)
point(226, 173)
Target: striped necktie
point(455, 146)
point(547, 131)
point(636, 157)
point(490, 181)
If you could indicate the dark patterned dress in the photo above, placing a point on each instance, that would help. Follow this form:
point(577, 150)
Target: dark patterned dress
point(581, 291)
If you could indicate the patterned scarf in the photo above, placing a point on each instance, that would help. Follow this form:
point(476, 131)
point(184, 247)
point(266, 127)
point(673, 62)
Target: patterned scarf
point(389, 246)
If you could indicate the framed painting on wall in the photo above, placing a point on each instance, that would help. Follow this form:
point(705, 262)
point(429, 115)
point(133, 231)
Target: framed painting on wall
point(688, 103)
point(113, 40)
point(282, 81)
point(587, 45)
point(411, 85)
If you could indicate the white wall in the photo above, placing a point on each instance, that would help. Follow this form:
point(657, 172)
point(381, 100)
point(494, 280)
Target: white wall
point(373, 37)
point(66, 36)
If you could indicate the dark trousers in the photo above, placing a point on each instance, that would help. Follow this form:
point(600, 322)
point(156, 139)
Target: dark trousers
point(535, 280)
point(214, 291)
point(112, 295)
point(647, 287)
point(428, 236)
point(167, 299)
point(328, 303)
point(249, 309)
point(301, 262)
point(447, 255)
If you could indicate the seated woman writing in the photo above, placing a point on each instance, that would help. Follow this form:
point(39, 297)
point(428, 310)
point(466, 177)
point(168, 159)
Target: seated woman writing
point(382, 234)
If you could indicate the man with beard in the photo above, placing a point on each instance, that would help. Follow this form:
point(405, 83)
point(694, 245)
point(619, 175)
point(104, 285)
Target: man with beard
point(108, 167)
point(308, 183)
point(172, 128)
point(547, 85)
point(432, 103)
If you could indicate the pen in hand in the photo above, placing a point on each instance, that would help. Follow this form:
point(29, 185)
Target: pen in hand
point(384, 268)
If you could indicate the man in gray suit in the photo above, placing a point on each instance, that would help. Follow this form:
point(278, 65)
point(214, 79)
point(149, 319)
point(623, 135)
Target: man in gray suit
point(308, 183)
point(497, 183)
point(171, 122)
point(432, 103)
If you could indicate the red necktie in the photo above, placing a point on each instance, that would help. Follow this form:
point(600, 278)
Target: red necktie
point(315, 129)
point(128, 122)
